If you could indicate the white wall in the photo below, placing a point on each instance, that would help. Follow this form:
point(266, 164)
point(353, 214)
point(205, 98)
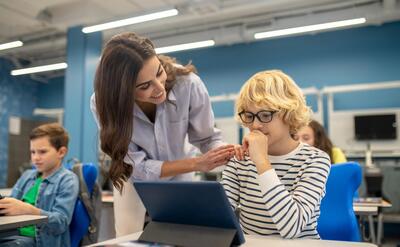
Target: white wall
point(342, 134)
point(230, 129)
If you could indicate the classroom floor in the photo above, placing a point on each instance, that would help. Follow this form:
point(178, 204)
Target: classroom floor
point(392, 235)
point(391, 242)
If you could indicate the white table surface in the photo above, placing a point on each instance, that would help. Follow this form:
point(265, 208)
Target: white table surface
point(13, 222)
point(5, 191)
point(365, 210)
point(382, 204)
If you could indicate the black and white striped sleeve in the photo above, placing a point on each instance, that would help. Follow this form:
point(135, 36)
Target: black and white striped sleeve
point(292, 211)
point(230, 182)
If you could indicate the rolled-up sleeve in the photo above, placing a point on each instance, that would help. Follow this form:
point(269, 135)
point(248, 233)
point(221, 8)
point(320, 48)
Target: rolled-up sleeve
point(144, 168)
point(201, 131)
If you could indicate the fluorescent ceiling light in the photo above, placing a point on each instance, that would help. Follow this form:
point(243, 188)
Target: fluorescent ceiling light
point(38, 69)
point(309, 28)
point(130, 21)
point(10, 45)
point(186, 46)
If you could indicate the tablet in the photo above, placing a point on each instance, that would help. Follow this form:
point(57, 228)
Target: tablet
point(192, 203)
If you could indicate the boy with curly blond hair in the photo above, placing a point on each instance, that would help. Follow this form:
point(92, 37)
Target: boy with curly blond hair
point(279, 184)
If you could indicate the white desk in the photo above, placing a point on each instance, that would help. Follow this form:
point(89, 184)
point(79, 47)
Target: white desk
point(9, 224)
point(369, 210)
point(382, 204)
point(261, 241)
point(365, 210)
point(5, 191)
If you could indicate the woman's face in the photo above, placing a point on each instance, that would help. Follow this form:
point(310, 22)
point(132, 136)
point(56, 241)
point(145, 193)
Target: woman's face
point(306, 135)
point(150, 85)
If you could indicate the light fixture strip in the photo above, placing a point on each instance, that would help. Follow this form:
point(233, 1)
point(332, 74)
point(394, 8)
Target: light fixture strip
point(186, 46)
point(38, 69)
point(130, 21)
point(310, 28)
point(10, 45)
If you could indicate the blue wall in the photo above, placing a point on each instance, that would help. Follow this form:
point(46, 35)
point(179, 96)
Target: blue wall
point(358, 55)
point(51, 94)
point(83, 52)
point(17, 98)
point(351, 56)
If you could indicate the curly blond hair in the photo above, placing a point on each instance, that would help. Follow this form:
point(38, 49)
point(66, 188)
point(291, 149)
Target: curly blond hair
point(274, 90)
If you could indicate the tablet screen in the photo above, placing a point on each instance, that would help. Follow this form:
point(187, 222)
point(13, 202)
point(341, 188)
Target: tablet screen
point(193, 203)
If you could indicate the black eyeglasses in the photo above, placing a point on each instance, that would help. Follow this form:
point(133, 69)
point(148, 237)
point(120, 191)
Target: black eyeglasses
point(262, 116)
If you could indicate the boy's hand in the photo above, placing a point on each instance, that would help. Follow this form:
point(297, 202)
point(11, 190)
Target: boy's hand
point(256, 145)
point(214, 158)
point(12, 206)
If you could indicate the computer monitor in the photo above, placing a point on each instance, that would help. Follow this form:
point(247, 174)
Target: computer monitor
point(375, 127)
point(190, 203)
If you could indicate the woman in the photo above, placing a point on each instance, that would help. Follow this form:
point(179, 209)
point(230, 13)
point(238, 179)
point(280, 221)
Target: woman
point(314, 134)
point(145, 106)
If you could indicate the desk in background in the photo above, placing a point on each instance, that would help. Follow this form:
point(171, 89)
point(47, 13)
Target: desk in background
point(5, 191)
point(369, 210)
point(261, 241)
point(10, 224)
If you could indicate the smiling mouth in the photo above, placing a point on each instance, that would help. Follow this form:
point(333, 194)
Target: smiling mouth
point(158, 96)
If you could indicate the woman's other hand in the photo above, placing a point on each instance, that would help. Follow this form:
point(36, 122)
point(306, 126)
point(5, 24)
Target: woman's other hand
point(239, 152)
point(214, 158)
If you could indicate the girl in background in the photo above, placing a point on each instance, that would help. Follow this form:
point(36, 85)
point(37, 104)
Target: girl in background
point(315, 135)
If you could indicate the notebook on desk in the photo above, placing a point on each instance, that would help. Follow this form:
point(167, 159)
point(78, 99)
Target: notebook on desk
point(190, 205)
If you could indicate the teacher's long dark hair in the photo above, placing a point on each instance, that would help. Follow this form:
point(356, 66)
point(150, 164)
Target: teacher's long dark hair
point(122, 59)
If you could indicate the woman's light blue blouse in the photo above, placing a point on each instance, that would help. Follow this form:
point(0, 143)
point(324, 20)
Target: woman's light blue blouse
point(187, 112)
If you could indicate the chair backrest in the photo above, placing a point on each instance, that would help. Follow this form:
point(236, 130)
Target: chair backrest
point(337, 220)
point(80, 219)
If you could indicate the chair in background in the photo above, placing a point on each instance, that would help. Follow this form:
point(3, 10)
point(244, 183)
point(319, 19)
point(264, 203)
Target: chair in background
point(337, 220)
point(80, 222)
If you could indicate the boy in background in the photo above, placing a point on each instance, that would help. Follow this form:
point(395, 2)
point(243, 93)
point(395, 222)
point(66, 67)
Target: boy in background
point(280, 183)
point(49, 190)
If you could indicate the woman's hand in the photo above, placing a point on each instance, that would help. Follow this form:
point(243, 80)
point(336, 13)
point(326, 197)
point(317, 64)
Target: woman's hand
point(214, 158)
point(12, 206)
point(239, 152)
point(256, 145)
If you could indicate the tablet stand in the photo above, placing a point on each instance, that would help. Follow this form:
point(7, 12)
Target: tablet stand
point(187, 235)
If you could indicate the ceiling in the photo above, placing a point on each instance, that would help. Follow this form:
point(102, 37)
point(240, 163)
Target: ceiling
point(42, 24)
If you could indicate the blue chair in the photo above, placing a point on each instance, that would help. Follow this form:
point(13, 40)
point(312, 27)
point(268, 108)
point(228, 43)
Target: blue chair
point(80, 219)
point(337, 220)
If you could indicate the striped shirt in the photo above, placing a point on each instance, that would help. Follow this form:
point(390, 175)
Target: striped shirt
point(284, 200)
